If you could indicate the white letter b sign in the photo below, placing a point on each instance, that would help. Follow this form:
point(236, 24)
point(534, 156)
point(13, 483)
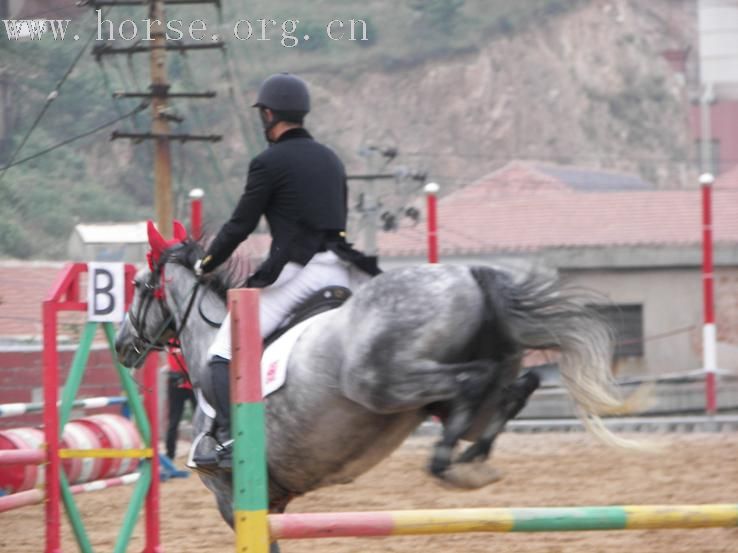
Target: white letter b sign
point(105, 292)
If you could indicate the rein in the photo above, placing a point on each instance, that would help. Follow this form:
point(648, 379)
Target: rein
point(155, 292)
point(204, 317)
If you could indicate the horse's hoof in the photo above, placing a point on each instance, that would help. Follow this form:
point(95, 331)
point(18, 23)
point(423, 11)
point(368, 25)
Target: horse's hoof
point(470, 476)
point(440, 461)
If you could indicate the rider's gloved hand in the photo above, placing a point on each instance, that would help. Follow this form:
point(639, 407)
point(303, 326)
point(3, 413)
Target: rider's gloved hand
point(201, 266)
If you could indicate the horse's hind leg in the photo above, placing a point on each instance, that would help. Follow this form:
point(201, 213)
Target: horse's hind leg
point(463, 409)
point(457, 423)
point(504, 398)
point(416, 384)
point(515, 397)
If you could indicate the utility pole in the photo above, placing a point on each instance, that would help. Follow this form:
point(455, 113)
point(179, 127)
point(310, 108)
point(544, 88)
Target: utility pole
point(158, 95)
point(370, 206)
point(160, 124)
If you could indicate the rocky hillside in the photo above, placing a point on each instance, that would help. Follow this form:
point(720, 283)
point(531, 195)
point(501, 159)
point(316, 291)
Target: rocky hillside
point(589, 87)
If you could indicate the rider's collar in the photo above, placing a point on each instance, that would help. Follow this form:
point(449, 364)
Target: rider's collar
point(296, 132)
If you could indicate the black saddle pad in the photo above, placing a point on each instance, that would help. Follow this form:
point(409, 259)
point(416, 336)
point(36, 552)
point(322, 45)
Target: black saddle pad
point(321, 301)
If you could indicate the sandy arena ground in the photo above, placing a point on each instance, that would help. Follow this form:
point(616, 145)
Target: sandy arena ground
point(540, 470)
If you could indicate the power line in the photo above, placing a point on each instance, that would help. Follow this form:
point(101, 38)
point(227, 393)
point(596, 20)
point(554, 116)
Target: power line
point(252, 139)
point(227, 197)
point(140, 107)
point(132, 69)
point(49, 99)
point(109, 88)
point(561, 158)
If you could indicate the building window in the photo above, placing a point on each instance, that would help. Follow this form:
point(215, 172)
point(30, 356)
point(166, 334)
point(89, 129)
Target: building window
point(626, 321)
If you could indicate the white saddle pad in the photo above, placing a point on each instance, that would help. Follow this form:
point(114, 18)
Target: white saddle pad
point(275, 358)
point(273, 363)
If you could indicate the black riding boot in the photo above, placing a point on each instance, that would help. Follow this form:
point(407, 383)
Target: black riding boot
point(215, 451)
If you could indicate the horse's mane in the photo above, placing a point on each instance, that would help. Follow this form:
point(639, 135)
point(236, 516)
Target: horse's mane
point(230, 274)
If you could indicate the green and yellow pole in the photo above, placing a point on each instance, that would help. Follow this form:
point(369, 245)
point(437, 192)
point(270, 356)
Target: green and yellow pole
point(250, 496)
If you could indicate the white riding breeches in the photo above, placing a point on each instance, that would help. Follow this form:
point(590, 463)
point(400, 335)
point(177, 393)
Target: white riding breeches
point(293, 286)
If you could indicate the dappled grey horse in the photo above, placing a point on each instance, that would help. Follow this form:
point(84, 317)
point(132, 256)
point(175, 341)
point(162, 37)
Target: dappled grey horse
point(431, 338)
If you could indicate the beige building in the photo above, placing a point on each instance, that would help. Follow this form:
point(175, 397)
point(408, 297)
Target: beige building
point(123, 242)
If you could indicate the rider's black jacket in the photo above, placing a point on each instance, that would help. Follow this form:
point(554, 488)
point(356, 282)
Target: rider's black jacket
point(300, 186)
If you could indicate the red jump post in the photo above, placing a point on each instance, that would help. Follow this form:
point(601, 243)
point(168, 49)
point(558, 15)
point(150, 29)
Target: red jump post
point(431, 193)
point(709, 332)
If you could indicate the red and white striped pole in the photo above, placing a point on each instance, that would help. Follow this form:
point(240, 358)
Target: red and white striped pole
point(431, 194)
point(196, 195)
point(709, 334)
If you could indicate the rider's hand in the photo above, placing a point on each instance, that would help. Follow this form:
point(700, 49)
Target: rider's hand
point(200, 267)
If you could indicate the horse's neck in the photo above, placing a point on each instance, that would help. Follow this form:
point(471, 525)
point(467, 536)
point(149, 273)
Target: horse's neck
point(196, 335)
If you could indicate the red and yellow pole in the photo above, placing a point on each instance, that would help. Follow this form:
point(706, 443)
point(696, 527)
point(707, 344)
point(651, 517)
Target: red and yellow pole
point(250, 495)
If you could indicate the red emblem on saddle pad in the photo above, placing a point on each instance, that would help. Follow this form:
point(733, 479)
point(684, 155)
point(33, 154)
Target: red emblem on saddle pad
point(272, 371)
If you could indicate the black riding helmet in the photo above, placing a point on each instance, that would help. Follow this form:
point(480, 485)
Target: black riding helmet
point(284, 92)
point(286, 96)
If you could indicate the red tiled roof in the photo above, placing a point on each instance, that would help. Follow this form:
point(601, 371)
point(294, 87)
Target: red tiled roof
point(514, 210)
point(23, 285)
point(728, 180)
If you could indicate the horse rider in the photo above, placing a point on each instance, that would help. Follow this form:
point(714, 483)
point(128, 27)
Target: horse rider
point(299, 185)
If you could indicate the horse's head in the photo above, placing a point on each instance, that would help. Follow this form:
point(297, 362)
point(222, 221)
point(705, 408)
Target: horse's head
point(151, 322)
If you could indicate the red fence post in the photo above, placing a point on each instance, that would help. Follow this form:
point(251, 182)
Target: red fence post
point(196, 195)
point(250, 490)
point(151, 404)
point(51, 428)
point(431, 192)
point(709, 333)
point(65, 296)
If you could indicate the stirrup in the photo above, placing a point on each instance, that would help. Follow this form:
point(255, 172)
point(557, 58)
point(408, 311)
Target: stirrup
point(214, 458)
point(224, 455)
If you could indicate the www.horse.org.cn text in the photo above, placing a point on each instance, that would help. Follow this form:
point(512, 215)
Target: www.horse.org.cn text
point(286, 32)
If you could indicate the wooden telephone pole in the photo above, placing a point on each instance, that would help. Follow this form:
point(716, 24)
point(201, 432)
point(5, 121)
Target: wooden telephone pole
point(160, 124)
point(158, 95)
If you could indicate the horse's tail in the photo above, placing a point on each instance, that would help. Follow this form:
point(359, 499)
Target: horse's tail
point(538, 313)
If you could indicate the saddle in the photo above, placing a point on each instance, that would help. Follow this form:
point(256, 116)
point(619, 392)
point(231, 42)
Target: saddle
point(321, 301)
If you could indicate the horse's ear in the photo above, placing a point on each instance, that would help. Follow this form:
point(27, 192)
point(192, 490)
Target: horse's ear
point(179, 231)
point(156, 240)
